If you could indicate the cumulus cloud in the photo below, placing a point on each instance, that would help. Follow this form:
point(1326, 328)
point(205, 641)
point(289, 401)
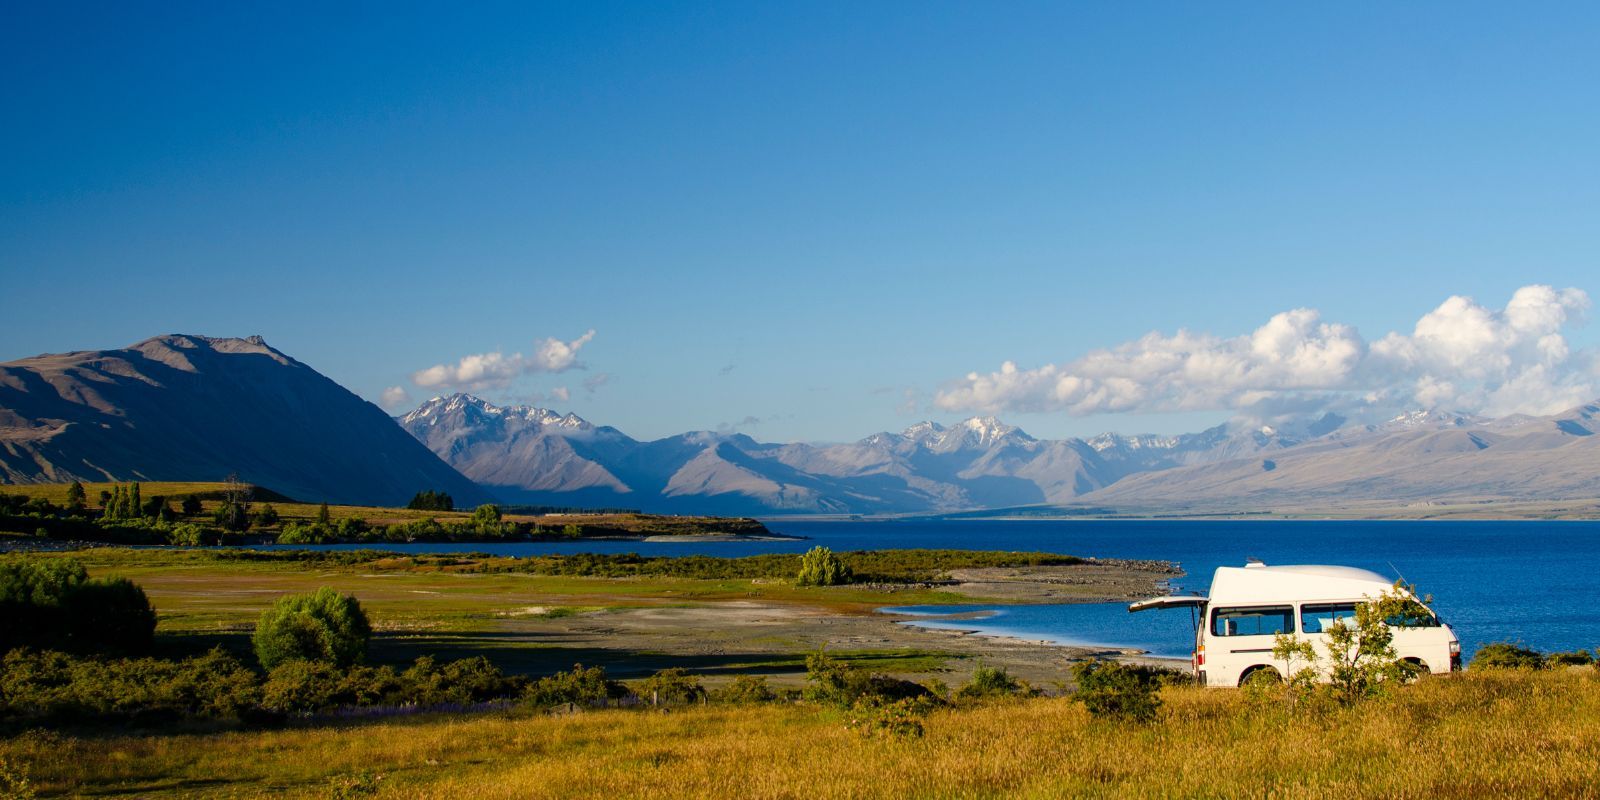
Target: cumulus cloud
point(394, 397)
point(497, 370)
point(1460, 356)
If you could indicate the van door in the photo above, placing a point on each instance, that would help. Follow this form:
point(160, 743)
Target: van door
point(1197, 609)
point(1240, 640)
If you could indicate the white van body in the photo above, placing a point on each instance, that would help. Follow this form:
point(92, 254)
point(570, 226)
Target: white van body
point(1248, 606)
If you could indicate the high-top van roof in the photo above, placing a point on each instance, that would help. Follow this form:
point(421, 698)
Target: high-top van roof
point(1257, 583)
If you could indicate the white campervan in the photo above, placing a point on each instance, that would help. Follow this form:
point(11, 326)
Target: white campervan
point(1250, 605)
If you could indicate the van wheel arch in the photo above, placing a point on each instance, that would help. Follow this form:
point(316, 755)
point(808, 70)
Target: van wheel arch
point(1419, 667)
point(1260, 669)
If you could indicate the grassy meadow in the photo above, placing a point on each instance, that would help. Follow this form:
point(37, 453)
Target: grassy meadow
point(423, 606)
point(1493, 734)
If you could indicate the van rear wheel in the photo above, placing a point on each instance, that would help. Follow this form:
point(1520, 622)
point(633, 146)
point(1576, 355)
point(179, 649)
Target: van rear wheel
point(1261, 673)
point(1418, 667)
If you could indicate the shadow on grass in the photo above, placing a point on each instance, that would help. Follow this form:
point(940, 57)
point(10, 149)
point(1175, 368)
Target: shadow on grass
point(520, 653)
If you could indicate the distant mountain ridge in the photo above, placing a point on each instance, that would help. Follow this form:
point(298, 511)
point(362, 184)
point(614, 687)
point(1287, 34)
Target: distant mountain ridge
point(198, 408)
point(536, 455)
point(185, 408)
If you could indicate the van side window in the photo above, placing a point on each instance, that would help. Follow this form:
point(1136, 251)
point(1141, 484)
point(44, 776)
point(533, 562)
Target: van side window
point(1252, 621)
point(1321, 617)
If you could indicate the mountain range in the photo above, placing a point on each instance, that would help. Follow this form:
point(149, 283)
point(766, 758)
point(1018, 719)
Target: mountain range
point(196, 408)
point(534, 455)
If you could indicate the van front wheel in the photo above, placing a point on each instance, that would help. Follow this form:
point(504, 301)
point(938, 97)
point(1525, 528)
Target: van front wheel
point(1262, 673)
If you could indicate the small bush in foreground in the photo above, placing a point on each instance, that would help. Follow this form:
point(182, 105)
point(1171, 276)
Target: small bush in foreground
point(56, 686)
point(1116, 690)
point(321, 626)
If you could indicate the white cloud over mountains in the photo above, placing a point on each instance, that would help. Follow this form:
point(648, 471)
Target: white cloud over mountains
point(497, 370)
point(1459, 356)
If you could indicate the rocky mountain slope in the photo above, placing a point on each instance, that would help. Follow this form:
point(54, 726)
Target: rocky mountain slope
point(197, 408)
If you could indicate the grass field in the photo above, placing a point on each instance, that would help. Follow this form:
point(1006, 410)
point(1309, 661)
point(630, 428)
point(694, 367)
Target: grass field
point(1503, 734)
point(523, 623)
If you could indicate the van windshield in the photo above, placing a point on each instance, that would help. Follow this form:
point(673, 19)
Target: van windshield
point(1252, 621)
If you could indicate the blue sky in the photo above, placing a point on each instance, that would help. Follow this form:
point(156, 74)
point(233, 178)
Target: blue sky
point(813, 221)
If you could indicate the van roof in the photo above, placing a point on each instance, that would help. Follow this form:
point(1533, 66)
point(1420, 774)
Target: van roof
point(1259, 583)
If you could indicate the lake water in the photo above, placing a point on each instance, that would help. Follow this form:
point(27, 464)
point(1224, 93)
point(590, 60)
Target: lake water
point(1528, 582)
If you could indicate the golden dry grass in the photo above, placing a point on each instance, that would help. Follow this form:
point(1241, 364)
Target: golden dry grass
point(1490, 735)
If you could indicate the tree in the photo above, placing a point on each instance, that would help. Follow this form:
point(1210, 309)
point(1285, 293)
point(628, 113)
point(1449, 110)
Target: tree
point(430, 500)
point(820, 567)
point(1361, 659)
point(191, 505)
point(234, 512)
point(52, 603)
point(156, 508)
point(266, 516)
point(321, 626)
point(134, 505)
point(487, 512)
point(323, 517)
point(76, 499)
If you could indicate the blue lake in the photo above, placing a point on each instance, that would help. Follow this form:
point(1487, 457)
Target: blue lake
point(1528, 582)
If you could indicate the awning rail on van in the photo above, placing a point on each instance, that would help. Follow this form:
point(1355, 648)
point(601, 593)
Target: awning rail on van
point(1171, 601)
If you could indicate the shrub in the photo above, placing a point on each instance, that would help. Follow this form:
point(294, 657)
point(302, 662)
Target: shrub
point(321, 626)
point(191, 505)
point(1119, 691)
point(54, 685)
point(746, 689)
point(51, 603)
point(265, 517)
point(188, 535)
point(992, 682)
point(109, 614)
point(1504, 655)
point(1576, 658)
point(579, 686)
point(670, 686)
point(820, 567)
point(468, 680)
point(832, 682)
point(301, 533)
point(486, 513)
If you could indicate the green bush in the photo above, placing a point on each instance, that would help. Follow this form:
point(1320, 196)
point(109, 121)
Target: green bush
point(1504, 655)
point(579, 686)
point(820, 567)
point(832, 682)
point(462, 682)
point(1576, 658)
point(746, 689)
point(1116, 690)
point(671, 686)
point(52, 685)
point(992, 682)
point(109, 614)
point(321, 626)
point(50, 602)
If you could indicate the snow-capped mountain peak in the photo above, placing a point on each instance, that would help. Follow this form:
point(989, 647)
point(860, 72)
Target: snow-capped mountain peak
point(431, 412)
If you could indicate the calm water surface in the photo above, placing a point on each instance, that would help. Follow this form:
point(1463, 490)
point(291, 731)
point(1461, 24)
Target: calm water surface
point(1528, 582)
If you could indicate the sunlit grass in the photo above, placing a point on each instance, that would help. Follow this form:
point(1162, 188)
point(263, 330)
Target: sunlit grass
point(1506, 734)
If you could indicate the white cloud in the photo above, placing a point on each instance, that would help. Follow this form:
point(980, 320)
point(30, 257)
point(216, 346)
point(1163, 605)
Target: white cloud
point(561, 394)
point(497, 370)
point(1460, 356)
point(394, 397)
